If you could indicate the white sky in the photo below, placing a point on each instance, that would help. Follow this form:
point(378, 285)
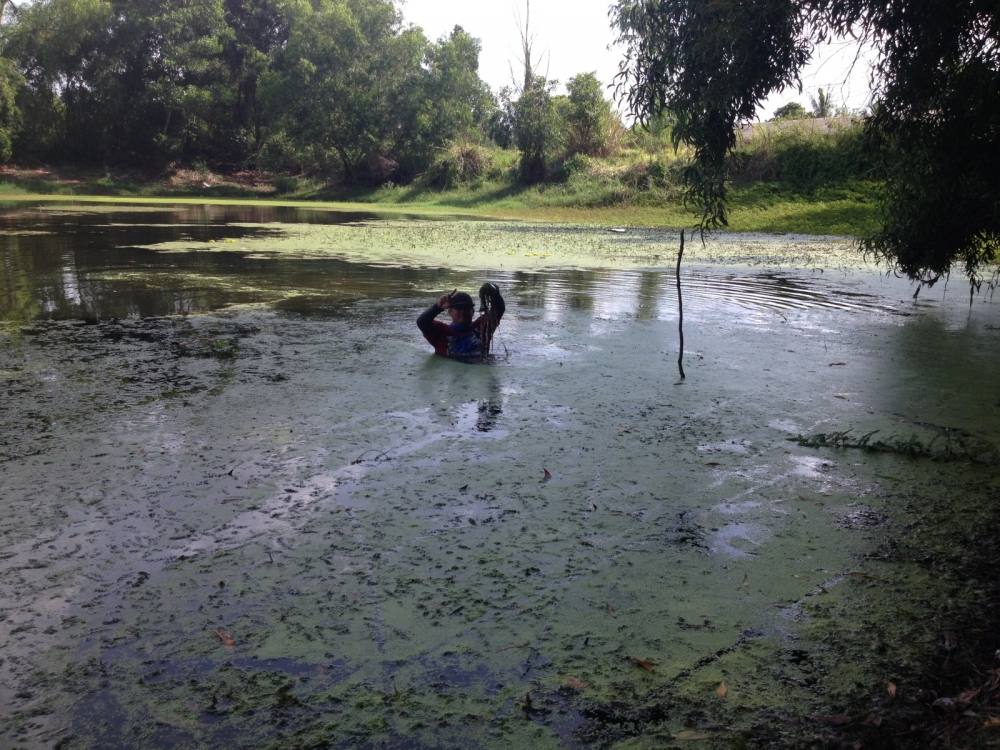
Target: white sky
point(574, 36)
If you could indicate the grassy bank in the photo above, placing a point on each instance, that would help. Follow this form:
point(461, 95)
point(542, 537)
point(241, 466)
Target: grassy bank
point(784, 181)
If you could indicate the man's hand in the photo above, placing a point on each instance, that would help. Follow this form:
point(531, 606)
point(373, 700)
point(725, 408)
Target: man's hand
point(444, 301)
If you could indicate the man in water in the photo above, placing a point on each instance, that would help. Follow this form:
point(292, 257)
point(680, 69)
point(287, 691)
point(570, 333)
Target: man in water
point(464, 339)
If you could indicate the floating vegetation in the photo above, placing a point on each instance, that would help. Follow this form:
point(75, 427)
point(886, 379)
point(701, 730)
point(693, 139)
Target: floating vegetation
point(469, 245)
point(948, 444)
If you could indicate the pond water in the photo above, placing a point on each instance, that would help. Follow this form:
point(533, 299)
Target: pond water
point(242, 504)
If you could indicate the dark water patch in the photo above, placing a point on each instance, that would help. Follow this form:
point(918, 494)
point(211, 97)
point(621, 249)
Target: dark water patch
point(98, 266)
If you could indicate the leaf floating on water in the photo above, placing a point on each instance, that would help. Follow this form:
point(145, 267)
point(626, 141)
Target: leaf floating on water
point(891, 689)
point(225, 638)
point(993, 722)
point(836, 720)
point(723, 690)
point(649, 666)
point(611, 610)
point(838, 364)
point(576, 684)
point(547, 476)
point(691, 735)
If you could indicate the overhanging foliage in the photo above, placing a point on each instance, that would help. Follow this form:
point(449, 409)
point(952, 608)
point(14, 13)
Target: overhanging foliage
point(935, 123)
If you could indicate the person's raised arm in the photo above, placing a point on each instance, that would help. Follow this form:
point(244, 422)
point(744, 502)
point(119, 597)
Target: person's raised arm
point(426, 320)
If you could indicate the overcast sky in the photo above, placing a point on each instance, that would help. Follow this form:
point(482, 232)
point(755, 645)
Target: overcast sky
point(574, 36)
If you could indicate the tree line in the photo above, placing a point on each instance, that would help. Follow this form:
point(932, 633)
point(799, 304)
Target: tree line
point(340, 88)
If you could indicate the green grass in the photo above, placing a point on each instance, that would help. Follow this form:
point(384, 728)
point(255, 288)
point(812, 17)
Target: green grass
point(754, 208)
point(790, 181)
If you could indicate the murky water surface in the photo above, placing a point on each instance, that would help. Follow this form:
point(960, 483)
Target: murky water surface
point(242, 504)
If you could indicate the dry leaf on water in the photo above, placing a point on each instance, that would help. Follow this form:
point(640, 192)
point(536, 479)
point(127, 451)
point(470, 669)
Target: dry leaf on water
point(225, 638)
point(891, 689)
point(723, 690)
point(576, 684)
point(646, 664)
point(992, 722)
point(547, 475)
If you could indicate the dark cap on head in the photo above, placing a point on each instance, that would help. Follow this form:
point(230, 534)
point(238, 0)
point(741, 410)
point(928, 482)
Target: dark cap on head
point(461, 299)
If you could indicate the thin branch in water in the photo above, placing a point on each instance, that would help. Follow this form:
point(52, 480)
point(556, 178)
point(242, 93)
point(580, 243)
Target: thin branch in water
point(680, 311)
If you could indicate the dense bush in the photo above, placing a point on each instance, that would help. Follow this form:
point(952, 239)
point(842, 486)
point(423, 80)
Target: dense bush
point(804, 155)
point(458, 164)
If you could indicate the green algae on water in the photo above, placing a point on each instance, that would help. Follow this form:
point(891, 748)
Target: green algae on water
point(524, 246)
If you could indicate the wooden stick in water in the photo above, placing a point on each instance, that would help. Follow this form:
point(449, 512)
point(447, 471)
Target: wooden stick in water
point(680, 310)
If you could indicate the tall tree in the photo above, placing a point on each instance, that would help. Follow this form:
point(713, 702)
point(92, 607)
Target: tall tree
point(790, 111)
point(139, 81)
point(822, 104)
point(343, 85)
point(589, 117)
point(536, 130)
point(10, 113)
point(259, 29)
point(936, 119)
point(533, 118)
point(60, 47)
point(458, 100)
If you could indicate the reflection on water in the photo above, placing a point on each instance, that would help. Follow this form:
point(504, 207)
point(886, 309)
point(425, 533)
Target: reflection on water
point(87, 264)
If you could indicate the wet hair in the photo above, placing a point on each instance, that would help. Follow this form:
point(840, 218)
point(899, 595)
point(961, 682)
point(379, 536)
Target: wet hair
point(461, 300)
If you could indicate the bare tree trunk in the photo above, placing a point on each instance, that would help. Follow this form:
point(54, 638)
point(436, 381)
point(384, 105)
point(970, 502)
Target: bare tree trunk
point(526, 45)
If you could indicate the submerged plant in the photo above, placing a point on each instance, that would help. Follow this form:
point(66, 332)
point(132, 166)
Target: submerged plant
point(957, 445)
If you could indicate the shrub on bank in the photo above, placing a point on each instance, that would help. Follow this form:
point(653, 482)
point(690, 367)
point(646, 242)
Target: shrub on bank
point(805, 154)
point(459, 163)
